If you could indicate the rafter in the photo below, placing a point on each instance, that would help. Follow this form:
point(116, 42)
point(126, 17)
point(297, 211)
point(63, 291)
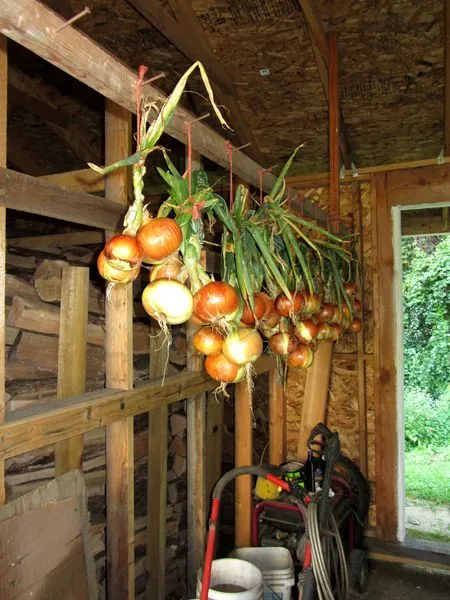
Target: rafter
point(319, 43)
point(71, 134)
point(187, 35)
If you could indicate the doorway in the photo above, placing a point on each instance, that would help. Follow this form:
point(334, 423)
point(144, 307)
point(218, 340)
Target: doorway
point(422, 253)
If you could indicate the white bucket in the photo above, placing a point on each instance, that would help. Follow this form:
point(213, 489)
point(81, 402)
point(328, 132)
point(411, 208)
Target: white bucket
point(276, 566)
point(245, 578)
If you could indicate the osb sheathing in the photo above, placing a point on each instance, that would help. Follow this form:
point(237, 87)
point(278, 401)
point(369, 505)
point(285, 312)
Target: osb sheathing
point(342, 409)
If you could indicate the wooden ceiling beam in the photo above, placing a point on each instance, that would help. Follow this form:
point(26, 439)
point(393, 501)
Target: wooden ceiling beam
point(447, 78)
point(31, 24)
point(39, 197)
point(319, 43)
point(188, 36)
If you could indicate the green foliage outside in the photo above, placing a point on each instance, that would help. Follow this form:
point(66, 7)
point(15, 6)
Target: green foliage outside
point(426, 306)
point(427, 475)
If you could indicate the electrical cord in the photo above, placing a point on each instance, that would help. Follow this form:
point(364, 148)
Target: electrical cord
point(326, 546)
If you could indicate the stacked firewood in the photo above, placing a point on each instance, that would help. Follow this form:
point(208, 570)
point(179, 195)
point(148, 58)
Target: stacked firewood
point(33, 289)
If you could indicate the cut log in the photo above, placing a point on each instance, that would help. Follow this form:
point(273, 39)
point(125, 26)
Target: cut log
point(16, 261)
point(36, 356)
point(15, 286)
point(41, 317)
point(47, 282)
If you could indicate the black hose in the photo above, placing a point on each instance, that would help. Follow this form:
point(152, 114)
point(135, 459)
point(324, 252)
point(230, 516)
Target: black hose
point(258, 470)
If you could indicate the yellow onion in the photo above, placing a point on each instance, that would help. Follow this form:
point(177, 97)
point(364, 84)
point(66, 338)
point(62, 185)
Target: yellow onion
point(168, 300)
point(159, 238)
point(114, 275)
point(283, 343)
point(207, 340)
point(221, 369)
point(243, 346)
point(307, 330)
point(302, 357)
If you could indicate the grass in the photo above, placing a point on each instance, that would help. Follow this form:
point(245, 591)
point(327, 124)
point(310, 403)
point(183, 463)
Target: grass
point(433, 536)
point(427, 475)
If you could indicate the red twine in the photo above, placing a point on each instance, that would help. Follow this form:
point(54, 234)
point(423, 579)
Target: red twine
point(189, 156)
point(230, 161)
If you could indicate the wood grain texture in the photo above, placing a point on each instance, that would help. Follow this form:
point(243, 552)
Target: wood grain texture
point(196, 449)
point(119, 375)
point(333, 132)
point(214, 441)
point(386, 456)
point(38, 426)
point(277, 418)
point(3, 136)
point(316, 395)
point(81, 180)
point(72, 352)
point(360, 344)
point(31, 24)
point(54, 517)
point(157, 476)
point(39, 197)
point(425, 185)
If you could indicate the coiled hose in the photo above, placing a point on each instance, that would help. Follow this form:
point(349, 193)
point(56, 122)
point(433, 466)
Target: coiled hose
point(327, 554)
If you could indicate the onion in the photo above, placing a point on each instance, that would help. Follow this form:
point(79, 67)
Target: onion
point(307, 330)
point(159, 238)
point(249, 317)
point(271, 320)
point(168, 269)
point(215, 300)
point(302, 357)
point(327, 312)
point(355, 325)
point(337, 331)
point(270, 307)
point(283, 343)
point(114, 275)
point(338, 314)
point(325, 331)
point(286, 307)
point(123, 251)
point(313, 303)
point(221, 369)
point(207, 340)
point(243, 346)
point(168, 301)
point(350, 288)
point(357, 304)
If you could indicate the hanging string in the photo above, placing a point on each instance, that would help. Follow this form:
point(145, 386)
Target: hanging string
point(230, 162)
point(141, 73)
point(189, 156)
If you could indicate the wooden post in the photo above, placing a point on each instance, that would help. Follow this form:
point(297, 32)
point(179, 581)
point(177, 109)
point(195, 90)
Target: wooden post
point(277, 418)
point(446, 79)
point(333, 112)
point(196, 469)
point(119, 374)
point(157, 477)
point(72, 357)
point(316, 394)
point(386, 455)
point(3, 128)
point(318, 376)
point(361, 367)
point(243, 455)
point(214, 441)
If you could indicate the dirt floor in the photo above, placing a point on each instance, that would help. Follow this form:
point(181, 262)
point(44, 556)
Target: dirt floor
point(396, 582)
point(427, 517)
